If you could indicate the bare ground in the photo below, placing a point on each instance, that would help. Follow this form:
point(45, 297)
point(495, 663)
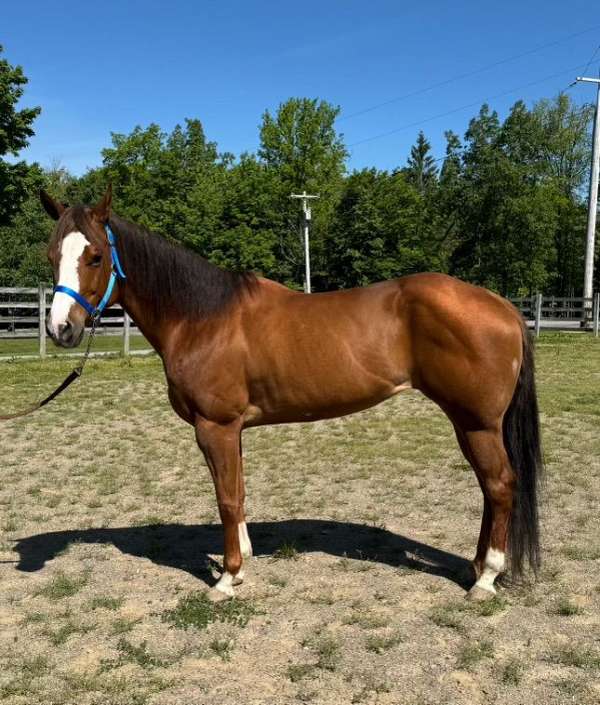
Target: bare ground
point(362, 529)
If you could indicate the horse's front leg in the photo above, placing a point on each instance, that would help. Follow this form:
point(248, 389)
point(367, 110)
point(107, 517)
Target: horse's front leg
point(221, 446)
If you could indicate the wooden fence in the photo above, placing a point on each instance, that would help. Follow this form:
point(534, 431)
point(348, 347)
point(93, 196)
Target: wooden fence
point(560, 313)
point(23, 316)
point(23, 313)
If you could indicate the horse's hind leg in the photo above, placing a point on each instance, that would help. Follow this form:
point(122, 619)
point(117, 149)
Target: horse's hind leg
point(484, 449)
point(220, 444)
point(486, 519)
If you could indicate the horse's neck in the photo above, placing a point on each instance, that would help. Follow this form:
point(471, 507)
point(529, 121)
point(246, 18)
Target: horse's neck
point(154, 331)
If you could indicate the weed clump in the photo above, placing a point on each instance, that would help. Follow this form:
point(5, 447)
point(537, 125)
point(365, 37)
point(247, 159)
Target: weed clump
point(196, 610)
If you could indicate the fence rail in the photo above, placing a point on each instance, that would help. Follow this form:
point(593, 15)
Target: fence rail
point(23, 313)
point(560, 312)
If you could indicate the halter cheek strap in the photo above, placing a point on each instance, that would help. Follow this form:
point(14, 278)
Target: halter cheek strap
point(116, 273)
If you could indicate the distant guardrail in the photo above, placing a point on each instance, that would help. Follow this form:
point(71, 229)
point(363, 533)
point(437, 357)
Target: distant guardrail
point(23, 312)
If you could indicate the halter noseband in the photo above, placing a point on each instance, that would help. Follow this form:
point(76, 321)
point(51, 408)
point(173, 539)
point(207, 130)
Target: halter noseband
point(115, 273)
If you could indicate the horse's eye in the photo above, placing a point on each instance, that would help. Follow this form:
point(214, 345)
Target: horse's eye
point(96, 261)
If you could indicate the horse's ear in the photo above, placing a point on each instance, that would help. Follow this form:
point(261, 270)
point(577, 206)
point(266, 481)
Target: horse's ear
point(102, 210)
point(54, 208)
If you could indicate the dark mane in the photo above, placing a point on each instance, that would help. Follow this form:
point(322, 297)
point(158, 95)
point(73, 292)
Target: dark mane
point(173, 281)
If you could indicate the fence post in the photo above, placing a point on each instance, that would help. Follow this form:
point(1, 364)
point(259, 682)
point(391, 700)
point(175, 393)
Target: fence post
point(126, 332)
point(42, 319)
point(596, 313)
point(538, 314)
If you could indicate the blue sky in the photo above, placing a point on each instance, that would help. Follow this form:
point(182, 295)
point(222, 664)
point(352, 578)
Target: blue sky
point(97, 68)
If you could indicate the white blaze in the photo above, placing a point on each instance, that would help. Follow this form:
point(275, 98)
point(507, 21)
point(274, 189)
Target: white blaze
point(72, 248)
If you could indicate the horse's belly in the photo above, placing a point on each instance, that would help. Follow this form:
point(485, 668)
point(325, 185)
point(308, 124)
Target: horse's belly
point(314, 405)
point(327, 369)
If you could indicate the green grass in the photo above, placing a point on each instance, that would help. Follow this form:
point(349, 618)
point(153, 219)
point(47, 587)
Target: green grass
point(566, 608)
point(31, 668)
point(366, 620)
point(61, 586)
point(102, 343)
point(286, 552)
point(106, 602)
point(327, 648)
point(131, 653)
point(122, 625)
point(512, 673)
point(472, 653)
point(298, 671)
point(196, 610)
point(578, 656)
point(379, 644)
point(36, 618)
point(221, 648)
point(488, 608)
point(449, 615)
point(61, 635)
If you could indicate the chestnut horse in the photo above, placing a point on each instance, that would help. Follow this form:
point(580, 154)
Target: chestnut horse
point(240, 351)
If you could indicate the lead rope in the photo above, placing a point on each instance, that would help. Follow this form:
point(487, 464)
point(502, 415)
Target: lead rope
point(75, 374)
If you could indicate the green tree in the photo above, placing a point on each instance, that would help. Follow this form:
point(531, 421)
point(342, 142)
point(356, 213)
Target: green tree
point(301, 149)
point(448, 197)
point(170, 183)
point(247, 239)
point(513, 198)
point(374, 235)
point(421, 173)
point(421, 170)
point(20, 260)
point(15, 131)
point(565, 143)
point(23, 260)
point(507, 215)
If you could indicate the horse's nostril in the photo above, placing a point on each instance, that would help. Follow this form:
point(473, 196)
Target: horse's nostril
point(64, 329)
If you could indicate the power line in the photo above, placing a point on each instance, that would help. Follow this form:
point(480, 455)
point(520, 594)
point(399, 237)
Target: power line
point(488, 67)
point(464, 107)
point(574, 83)
point(590, 61)
point(459, 151)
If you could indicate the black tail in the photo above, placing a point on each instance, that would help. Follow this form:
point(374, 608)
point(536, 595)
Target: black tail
point(522, 441)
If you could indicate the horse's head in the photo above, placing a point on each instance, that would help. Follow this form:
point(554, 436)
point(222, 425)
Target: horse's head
point(80, 255)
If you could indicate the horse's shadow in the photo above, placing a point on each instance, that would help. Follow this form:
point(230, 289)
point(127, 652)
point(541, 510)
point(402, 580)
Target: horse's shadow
point(186, 547)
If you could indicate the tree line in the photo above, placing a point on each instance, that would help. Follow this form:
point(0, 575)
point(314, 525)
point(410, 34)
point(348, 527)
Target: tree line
point(504, 208)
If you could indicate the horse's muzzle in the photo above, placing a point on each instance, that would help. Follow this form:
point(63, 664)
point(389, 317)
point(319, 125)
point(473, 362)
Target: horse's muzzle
point(68, 335)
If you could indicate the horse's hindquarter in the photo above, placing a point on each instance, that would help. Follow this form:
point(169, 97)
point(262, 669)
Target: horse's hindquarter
point(323, 355)
point(467, 346)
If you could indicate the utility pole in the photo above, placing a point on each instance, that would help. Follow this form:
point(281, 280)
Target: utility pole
point(307, 216)
point(588, 279)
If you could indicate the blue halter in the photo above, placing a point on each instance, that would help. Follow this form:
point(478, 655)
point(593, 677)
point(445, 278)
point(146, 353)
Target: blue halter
point(116, 272)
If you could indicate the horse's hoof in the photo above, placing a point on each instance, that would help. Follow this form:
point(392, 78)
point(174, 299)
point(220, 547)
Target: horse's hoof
point(238, 579)
point(479, 594)
point(215, 596)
